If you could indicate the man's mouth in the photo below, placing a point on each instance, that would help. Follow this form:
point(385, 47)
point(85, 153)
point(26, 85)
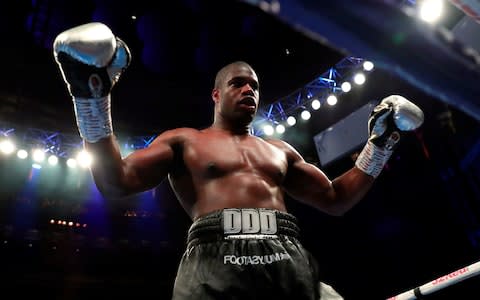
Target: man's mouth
point(248, 101)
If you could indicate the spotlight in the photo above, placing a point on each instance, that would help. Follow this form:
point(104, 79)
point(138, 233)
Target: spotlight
point(38, 155)
point(332, 100)
point(71, 163)
point(367, 65)
point(53, 160)
point(431, 10)
point(84, 159)
point(7, 147)
point(291, 121)
point(346, 87)
point(280, 128)
point(22, 154)
point(268, 129)
point(359, 78)
point(305, 115)
point(36, 166)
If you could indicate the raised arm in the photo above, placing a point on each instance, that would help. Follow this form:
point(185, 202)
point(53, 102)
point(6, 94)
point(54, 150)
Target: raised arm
point(305, 182)
point(389, 120)
point(91, 60)
point(141, 170)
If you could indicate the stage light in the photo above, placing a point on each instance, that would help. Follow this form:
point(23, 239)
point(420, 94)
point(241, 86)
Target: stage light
point(36, 166)
point(316, 104)
point(346, 87)
point(53, 160)
point(268, 129)
point(38, 155)
point(431, 10)
point(84, 159)
point(7, 147)
point(368, 65)
point(332, 100)
point(22, 154)
point(291, 121)
point(359, 78)
point(305, 115)
point(280, 129)
point(71, 163)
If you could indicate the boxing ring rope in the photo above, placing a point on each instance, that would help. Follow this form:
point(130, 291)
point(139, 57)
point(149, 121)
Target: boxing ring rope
point(440, 282)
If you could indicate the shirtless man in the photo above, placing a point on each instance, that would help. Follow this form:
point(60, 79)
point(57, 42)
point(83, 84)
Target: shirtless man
point(243, 244)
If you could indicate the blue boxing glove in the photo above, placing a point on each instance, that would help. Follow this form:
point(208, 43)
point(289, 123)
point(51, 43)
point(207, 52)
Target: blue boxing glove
point(91, 60)
point(388, 120)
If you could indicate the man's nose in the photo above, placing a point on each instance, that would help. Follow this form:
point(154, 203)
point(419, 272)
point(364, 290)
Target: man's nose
point(247, 89)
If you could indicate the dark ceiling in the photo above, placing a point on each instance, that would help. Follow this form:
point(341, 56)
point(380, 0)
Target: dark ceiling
point(418, 222)
point(176, 48)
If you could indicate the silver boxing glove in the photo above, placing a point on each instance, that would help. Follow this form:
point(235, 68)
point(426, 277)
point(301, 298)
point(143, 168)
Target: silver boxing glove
point(91, 60)
point(388, 120)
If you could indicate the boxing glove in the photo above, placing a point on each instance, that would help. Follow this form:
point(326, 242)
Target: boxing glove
point(91, 60)
point(393, 116)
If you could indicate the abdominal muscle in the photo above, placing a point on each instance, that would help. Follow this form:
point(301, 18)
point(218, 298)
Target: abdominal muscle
point(240, 190)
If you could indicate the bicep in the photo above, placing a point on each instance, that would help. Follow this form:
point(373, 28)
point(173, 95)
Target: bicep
point(304, 181)
point(307, 183)
point(146, 168)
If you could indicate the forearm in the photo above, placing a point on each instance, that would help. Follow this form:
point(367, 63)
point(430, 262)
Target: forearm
point(349, 189)
point(311, 186)
point(108, 169)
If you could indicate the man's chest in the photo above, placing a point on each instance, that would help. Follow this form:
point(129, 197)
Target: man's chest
point(219, 156)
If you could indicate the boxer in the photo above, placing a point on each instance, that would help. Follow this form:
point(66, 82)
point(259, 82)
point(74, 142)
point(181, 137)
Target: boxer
point(242, 244)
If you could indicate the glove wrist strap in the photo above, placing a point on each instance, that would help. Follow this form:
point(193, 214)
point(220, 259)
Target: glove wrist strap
point(94, 119)
point(372, 159)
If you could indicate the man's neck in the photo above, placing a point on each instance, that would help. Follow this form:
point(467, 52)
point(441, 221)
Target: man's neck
point(235, 130)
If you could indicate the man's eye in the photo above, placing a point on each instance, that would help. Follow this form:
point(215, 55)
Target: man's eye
point(240, 83)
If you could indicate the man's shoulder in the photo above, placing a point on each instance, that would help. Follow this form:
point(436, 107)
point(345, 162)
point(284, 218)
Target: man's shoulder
point(177, 135)
point(283, 145)
point(277, 142)
point(184, 131)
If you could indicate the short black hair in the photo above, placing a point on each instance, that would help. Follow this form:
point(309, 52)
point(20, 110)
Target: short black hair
point(220, 77)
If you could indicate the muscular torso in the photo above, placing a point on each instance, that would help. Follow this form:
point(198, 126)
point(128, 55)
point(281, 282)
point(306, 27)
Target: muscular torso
point(214, 169)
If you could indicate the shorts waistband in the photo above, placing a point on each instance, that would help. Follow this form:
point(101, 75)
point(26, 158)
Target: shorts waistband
point(243, 223)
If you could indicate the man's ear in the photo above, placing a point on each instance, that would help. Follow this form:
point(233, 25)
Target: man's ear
point(216, 95)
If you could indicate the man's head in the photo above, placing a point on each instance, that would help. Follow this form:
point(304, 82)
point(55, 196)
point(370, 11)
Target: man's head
point(236, 94)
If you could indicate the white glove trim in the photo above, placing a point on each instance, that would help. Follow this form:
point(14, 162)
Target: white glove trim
point(94, 119)
point(372, 159)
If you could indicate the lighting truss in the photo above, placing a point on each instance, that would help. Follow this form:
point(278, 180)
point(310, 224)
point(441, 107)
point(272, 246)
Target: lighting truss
point(327, 83)
point(139, 142)
point(60, 144)
point(67, 145)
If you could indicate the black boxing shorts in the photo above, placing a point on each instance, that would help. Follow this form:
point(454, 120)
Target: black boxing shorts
point(246, 254)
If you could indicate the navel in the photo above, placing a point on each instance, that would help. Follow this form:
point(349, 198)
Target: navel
point(212, 168)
